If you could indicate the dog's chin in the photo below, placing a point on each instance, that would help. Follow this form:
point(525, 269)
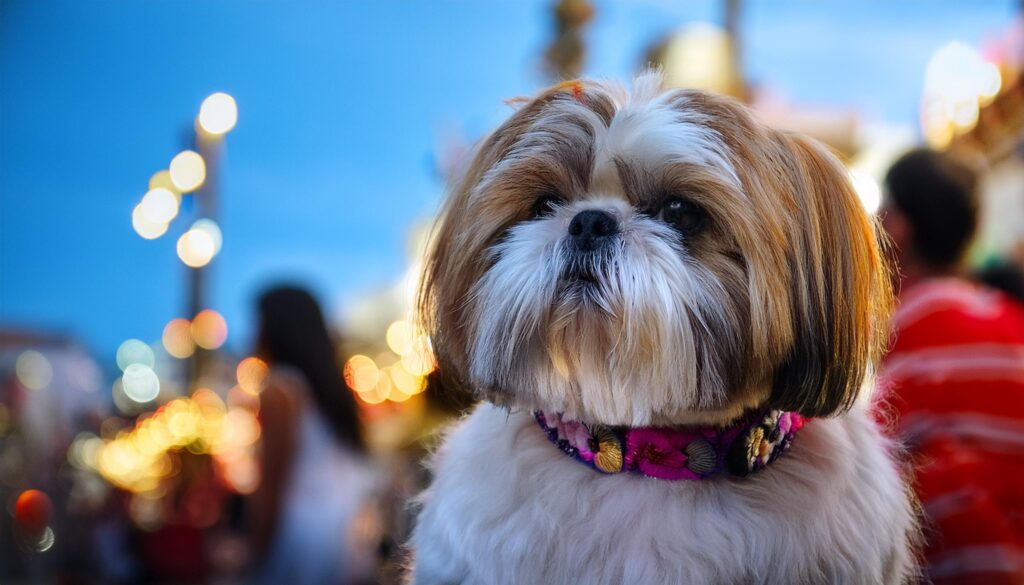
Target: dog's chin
point(732, 409)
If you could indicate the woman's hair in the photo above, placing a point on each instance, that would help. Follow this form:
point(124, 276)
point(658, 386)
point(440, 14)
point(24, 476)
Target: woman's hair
point(293, 332)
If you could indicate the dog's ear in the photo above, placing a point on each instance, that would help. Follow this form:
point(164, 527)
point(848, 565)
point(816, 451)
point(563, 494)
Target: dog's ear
point(840, 291)
point(457, 256)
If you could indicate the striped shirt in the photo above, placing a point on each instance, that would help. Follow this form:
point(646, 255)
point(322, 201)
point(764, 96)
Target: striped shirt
point(954, 383)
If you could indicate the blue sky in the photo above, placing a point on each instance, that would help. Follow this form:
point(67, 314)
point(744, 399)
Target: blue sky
point(340, 108)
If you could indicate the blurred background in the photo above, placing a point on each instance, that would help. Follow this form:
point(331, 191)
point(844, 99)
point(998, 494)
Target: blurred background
point(164, 162)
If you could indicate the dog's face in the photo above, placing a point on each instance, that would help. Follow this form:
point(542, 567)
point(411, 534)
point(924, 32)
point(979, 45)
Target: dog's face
point(653, 258)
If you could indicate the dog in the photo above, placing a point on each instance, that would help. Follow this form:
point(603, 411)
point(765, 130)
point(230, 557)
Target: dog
point(672, 313)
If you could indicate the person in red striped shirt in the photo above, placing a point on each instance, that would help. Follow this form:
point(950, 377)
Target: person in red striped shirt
point(954, 378)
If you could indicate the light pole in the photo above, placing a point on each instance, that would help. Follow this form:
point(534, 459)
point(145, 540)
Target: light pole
point(217, 116)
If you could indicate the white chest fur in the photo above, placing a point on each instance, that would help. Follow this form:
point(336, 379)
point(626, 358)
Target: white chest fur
point(506, 507)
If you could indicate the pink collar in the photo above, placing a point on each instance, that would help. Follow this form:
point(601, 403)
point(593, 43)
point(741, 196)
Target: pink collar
point(738, 449)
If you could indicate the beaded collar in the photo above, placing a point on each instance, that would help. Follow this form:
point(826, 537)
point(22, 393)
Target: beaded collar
point(738, 449)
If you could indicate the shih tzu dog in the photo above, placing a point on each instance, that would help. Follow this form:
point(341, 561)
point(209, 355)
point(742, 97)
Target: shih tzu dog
point(671, 311)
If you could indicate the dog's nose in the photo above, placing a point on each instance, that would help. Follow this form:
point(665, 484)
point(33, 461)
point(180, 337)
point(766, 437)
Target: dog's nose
point(592, 228)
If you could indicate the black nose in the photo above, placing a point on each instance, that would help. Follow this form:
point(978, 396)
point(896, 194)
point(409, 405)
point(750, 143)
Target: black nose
point(591, 229)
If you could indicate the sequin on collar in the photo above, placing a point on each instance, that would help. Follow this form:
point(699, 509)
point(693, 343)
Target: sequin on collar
point(676, 453)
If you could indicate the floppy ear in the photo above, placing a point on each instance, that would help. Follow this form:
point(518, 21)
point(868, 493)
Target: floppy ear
point(840, 291)
point(461, 236)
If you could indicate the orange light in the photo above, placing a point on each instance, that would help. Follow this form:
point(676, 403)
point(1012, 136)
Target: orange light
point(252, 374)
point(177, 338)
point(361, 373)
point(209, 330)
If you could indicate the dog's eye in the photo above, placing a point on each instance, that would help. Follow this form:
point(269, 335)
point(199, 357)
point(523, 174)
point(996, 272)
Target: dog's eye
point(545, 205)
point(686, 217)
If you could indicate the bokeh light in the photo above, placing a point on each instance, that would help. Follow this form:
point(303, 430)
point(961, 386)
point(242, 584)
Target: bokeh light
point(407, 383)
point(957, 83)
point(134, 351)
point(400, 337)
point(188, 171)
point(196, 248)
point(252, 374)
point(177, 338)
point(33, 370)
point(146, 228)
point(140, 383)
point(361, 373)
point(159, 206)
point(867, 189)
point(218, 113)
point(209, 330)
point(420, 361)
point(33, 511)
point(210, 228)
point(162, 180)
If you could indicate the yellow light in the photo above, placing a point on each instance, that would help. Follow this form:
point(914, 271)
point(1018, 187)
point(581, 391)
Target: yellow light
point(963, 113)
point(400, 337)
point(252, 374)
point(188, 171)
point(361, 373)
point(408, 383)
point(159, 206)
point(209, 330)
point(196, 248)
point(140, 383)
point(420, 361)
point(144, 227)
point(698, 56)
point(210, 228)
point(378, 393)
point(218, 113)
point(33, 370)
point(134, 351)
point(177, 338)
point(162, 180)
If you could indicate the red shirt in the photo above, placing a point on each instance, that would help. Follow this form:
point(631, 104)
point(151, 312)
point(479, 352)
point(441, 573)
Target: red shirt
point(955, 384)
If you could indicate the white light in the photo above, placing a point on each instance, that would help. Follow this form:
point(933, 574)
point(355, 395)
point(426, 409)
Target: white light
point(990, 81)
point(146, 228)
point(134, 351)
point(140, 383)
point(210, 228)
point(218, 114)
point(188, 171)
point(159, 206)
point(33, 370)
point(867, 189)
point(196, 248)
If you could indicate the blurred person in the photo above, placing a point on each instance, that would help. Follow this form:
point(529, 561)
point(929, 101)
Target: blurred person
point(956, 378)
point(1004, 275)
point(308, 513)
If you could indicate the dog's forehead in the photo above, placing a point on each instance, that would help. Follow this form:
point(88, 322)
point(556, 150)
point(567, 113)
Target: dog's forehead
point(631, 135)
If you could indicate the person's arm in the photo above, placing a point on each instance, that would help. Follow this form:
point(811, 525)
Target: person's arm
point(279, 419)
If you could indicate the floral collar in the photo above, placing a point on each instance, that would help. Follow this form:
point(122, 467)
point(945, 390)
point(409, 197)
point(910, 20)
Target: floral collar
point(738, 449)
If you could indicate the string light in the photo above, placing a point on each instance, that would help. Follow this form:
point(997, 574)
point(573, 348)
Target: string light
point(196, 248)
point(188, 171)
point(218, 114)
point(209, 329)
point(145, 228)
point(134, 351)
point(159, 206)
point(33, 370)
point(177, 338)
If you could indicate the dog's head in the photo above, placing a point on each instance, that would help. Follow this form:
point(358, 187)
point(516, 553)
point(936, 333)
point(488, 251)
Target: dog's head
point(654, 257)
